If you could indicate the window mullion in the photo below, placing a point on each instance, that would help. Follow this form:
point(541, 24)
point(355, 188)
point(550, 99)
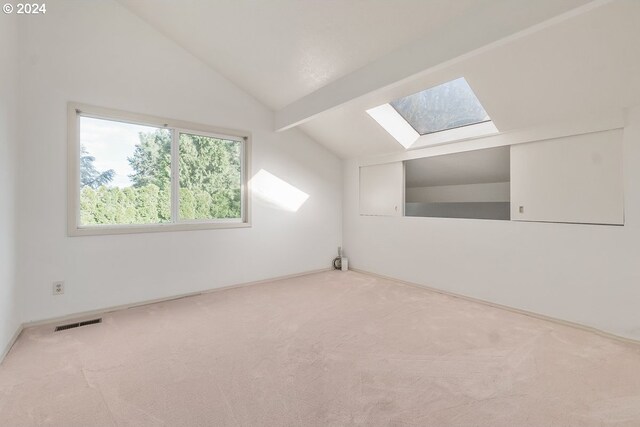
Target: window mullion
point(175, 176)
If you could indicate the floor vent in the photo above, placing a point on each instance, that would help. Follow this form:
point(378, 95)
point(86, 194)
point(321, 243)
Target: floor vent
point(78, 324)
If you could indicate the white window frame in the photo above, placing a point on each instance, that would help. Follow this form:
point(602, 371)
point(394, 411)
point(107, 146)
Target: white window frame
point(74, 228)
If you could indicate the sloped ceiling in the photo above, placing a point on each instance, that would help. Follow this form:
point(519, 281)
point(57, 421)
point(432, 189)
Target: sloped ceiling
point(587, 65)
point(283, 50)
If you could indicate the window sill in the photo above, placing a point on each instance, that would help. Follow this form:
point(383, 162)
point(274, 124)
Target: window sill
point(75, 231)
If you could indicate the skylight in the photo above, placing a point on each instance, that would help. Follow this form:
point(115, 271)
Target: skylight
point(447, 106)
point(445, 113)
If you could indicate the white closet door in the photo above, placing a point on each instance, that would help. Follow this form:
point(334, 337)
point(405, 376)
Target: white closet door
point(577, 179)
point(382, 189)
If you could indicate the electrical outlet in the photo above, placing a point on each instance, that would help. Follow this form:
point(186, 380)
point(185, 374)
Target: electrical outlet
point(58, 288)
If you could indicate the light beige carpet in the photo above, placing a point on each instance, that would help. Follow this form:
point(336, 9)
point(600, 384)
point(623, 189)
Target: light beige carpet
point(328, 349)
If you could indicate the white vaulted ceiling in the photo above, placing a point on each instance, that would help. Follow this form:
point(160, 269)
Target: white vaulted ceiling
point(281, 50)
point(320, 64)
point(586, 66)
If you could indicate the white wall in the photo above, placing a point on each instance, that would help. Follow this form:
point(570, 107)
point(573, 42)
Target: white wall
point(582, 273)
point(485, 192)
point(98, 53)
point(9, 299)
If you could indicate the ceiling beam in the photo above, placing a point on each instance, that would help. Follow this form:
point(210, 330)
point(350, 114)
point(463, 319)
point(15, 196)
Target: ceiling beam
point(491, 24)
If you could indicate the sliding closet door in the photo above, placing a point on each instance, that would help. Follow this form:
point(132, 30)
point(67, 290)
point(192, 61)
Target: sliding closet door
point(382, 189)
point(576, 179)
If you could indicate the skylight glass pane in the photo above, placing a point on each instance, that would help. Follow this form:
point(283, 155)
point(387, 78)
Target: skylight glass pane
point(447, 106)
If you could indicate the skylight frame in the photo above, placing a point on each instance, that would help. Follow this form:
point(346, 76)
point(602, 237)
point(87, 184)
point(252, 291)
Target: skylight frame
point(405, 133)
point(396, 125)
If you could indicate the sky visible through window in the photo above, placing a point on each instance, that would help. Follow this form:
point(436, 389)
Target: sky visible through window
point(111, 144)
point(447, 106)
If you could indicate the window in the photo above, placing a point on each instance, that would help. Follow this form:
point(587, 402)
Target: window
point(444, 113)
point(134, 173)
point(447, 106)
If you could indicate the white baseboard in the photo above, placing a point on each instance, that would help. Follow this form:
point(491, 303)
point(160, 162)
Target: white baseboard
point(98, 312)
point(11, 342)
point(508, 308)
point(79, 316)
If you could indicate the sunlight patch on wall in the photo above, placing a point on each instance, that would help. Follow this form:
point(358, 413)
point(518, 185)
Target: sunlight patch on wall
point(277, 192)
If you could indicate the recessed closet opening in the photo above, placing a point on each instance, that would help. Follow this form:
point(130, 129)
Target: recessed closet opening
point(472, 184)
